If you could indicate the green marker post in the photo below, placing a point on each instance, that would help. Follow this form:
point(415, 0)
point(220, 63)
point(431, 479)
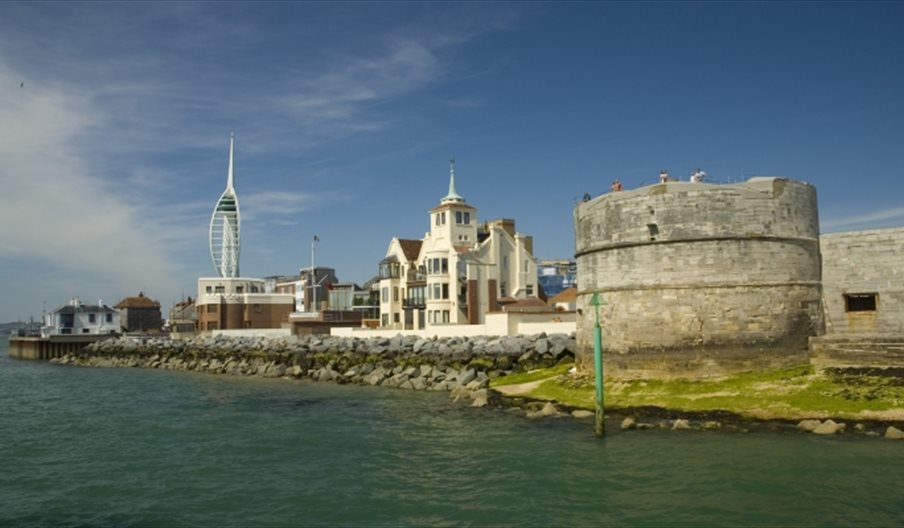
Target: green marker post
point(598, 364)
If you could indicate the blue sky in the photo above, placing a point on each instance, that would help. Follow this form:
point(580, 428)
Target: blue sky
point(114, 150)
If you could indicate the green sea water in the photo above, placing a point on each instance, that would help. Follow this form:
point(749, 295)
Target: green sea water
point(130, 447)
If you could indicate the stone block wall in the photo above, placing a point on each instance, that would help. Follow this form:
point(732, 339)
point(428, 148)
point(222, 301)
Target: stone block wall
point(864, 262)
point(700, 279)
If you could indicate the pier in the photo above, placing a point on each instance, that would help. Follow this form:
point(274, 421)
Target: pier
point(46, 348)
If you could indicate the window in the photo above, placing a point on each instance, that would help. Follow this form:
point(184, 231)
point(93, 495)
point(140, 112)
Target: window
point(436, 221)
point(505, 262)
point(384, 294)
point(442, 218)
point(109, 318)
point(384, 319)
point(445, 316)
point(502, 289)
point(467, 219)
point(860, 302)
point(437, 291)
point(395, 317)
point(92, 318)
point(257, 308)
point(239, 289)
point(209, 289)
point(458, 217)
point(395, 295)
point(212, 326)
point(526, 266)
point(445, 291)
point(211, 308)
point(530, 289)
point(85, 331)
point(445, 266)
point(220, 289)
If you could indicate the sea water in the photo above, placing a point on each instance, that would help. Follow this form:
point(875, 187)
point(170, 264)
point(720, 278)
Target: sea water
point(134, 447)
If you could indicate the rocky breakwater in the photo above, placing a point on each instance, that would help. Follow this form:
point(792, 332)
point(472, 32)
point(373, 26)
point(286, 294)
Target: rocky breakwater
point(459, 364)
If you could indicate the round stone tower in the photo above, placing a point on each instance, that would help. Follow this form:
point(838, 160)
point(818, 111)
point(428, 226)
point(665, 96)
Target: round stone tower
point(699, 279)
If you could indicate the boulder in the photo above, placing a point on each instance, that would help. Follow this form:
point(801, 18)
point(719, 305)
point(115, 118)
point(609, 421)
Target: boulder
point(548, 410)
point(582, 413)
point(628, 423)
point(681, 425)
point(418, 383)
point(479, 397)
point(894, 433)
point(808, 425)
point(466, 377)
point(829, 427)
point(375, 377)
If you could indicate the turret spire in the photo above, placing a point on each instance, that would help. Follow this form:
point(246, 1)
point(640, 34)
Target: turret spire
point(452, 197)
point(229, 175)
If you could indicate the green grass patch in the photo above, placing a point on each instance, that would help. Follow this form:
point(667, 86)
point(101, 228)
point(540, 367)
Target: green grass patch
point(532, 375)
point(787, 393)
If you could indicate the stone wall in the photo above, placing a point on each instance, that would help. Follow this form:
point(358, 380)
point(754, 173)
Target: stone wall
point(860, 351)
point(402, 361)
point(864, 262)
point(700, 279)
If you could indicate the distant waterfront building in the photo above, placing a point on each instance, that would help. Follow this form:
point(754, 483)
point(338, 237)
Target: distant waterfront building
point(139, 314)
point(77, 318)
point(555, 276)
point(231, 303)
point(458, 272)
point(225, 226)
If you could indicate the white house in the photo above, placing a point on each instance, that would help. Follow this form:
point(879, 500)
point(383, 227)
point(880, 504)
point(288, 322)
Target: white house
point(77, 318)
point(458, 272)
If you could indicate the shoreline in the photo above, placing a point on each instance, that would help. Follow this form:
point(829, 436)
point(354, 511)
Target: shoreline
point(462, 367)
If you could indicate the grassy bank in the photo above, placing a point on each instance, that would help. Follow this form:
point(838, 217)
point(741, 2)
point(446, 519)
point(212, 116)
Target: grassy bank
point(800, 392)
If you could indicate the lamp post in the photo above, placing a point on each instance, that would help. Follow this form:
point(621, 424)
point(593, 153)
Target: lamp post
point(314, 283)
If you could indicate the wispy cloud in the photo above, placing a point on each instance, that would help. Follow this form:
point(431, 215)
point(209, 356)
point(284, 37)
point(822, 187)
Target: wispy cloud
point(881, 218)
point(53, 206)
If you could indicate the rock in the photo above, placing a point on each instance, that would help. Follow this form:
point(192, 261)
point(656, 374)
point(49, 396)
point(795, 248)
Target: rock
point(459, 392)
point(628, 423)
point(829, 427)
point(466, 377)
point(418, 383)
point(582, 413)
point(375, 377)
point(894, 433)
point(808, 425)
point(548, 410)
point(644, 425)
point(479, 397)
point(711, 426)
point(681, 425)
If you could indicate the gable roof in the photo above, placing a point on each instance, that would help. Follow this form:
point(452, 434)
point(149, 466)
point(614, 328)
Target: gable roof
point(138, 302)
point(411, 248)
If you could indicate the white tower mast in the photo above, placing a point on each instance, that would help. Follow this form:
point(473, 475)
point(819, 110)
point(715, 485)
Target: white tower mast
point(225, 223)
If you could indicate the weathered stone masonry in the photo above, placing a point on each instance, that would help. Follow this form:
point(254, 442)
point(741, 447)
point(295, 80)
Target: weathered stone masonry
point(700, 279)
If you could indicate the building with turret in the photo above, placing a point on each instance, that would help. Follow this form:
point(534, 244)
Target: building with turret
point(699, 279)
point(460, 271)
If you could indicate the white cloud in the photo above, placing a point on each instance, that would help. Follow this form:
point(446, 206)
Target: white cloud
point(881, 218)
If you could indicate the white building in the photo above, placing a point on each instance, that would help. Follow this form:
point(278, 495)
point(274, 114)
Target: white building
point(76, 318)
point(458, 272)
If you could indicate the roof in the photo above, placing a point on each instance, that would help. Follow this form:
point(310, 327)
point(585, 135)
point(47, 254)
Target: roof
point(138, 302)
point(83, 308)
point(566, 295)
point(411, 248)
point(531, 304)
